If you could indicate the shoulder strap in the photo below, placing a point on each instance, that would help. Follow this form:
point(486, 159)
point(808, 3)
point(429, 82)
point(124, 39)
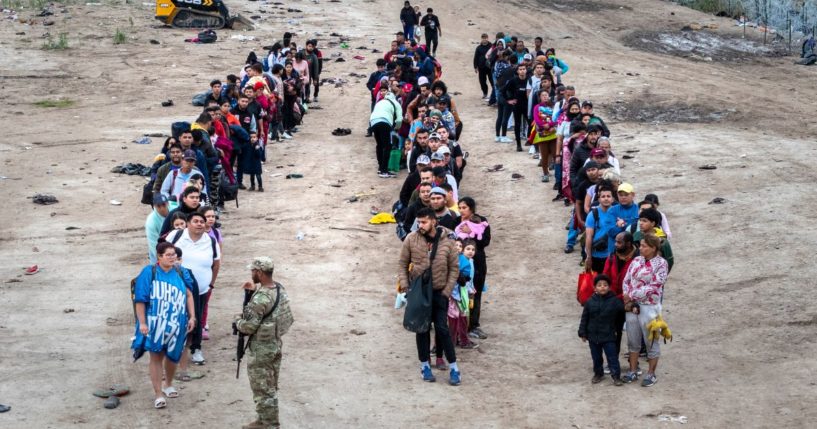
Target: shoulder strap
point(213, 245)
point(275, 305)
point(394, 112)
point(596, 215)
point(434, 246)
point(177, 237)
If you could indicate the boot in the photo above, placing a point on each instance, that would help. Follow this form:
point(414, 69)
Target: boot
point(252, 188)
point(260, 189)
point(257, 424)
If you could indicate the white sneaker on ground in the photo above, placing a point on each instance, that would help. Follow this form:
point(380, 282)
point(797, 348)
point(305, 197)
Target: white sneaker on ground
point(497, 139)
point(505, 139)
point(197, 357)
point(286, 136)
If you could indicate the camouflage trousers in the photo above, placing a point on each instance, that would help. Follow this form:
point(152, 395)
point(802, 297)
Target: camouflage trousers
point(263, 368)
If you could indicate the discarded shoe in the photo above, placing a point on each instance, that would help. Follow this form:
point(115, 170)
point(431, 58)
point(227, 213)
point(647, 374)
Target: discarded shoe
point(44, 199)
point(167, 103)
point(111, 402)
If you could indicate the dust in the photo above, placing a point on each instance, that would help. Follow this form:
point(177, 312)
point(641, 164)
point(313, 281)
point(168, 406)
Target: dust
point(702, 46)
point(651, 109)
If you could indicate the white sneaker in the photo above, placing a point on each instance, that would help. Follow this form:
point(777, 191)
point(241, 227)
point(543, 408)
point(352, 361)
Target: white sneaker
point(497, 139)
point(286, 136)
point(505, 139)
point(197, 357)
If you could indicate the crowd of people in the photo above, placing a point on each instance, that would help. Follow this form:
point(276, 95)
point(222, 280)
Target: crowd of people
point(200, 166)
point(417, 128)
point(623, 242)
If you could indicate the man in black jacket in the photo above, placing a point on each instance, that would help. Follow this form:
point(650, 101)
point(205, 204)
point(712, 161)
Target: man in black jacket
point(516, 93)
point(481, 66)
point(602, 313)
point(409, 19)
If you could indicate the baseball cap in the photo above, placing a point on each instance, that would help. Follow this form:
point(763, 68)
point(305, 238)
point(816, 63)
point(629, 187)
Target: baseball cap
point(422, 80)
point(626, 187)
point(597, 152)
point(407, 87)
point(434, 136)
point(159, 199)
point(437, 113)
point(262, 263)
point(443, 150)
point(189, 154)
point(527, 57)
point(423, 159)
point(258, 85)
point(587, 103)
point(437, 156)
point(591, 164)
point(438, 190)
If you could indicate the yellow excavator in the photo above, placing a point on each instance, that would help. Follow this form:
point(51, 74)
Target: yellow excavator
point(212, 14)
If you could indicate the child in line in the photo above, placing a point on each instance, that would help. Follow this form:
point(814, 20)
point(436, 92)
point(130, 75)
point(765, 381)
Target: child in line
point(602, 313)
point(460, 304)
point(253, 167)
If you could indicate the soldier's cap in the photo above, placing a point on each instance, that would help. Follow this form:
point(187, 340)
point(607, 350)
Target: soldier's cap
point(263, 263)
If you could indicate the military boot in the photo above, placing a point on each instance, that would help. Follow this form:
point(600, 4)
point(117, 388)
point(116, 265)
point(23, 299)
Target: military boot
point(256, 424)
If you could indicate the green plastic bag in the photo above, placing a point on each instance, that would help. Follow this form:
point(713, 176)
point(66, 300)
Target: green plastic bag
point(394, 160)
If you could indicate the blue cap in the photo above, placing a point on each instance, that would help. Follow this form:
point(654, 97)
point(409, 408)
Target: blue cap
point(438, 190)
point(159, 199)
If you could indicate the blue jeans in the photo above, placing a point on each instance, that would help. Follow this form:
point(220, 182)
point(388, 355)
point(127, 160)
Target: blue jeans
point(557, 173)
point(609, 349)
point(408, 30)
point(572, 233)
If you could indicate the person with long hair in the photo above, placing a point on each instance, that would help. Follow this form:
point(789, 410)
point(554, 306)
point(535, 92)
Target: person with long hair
point(476, 227)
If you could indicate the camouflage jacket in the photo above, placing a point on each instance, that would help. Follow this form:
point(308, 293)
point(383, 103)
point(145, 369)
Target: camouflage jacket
point(275, 325)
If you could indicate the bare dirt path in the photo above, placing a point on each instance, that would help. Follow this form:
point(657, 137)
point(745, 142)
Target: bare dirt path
point(737, 299)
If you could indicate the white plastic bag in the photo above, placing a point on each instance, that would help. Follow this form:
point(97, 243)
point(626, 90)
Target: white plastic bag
point(399, 301)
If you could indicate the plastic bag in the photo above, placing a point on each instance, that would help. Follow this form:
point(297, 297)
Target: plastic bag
point(584, 287)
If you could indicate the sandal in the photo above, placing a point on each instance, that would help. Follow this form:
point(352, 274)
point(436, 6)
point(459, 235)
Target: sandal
point(182, 376)
point(115, 390)
point(159, 403)
point(170, 392)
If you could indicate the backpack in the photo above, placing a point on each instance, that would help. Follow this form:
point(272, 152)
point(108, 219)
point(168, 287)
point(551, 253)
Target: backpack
point(177, 128)
point(227, 189)
point(212, 243)
point(438, 70)
point(399, 212)
point(600, 244)
point(208, 36)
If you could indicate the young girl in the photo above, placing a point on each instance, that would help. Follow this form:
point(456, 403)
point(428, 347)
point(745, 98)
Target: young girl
point(460, 303)
point(253, 166)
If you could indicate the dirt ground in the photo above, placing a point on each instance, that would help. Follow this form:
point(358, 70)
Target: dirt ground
point(743, 354)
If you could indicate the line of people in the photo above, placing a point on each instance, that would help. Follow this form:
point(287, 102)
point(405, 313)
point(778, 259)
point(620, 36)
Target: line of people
point(623, 243)
point(417, 128)
point(201, 166)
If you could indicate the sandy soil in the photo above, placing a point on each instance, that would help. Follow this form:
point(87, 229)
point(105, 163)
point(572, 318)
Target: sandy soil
point(744, 333)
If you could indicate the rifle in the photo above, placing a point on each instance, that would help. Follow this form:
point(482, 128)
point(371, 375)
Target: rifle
point(241, 348)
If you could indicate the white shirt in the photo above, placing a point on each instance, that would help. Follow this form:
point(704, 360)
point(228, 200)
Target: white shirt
point(197, 256)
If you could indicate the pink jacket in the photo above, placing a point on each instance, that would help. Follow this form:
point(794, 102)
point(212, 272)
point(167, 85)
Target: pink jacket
point(644, 282)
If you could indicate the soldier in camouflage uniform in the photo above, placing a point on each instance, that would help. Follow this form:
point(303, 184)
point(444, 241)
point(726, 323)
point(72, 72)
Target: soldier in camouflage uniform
point(265, 330)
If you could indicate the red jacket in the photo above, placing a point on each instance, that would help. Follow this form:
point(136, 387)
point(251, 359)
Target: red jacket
point(616, 276)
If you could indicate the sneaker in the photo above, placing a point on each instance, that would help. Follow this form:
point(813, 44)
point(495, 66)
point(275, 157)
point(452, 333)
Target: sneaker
point(498, 139)
point(558, 197)
point(629, 377)
point(470, 346)
point(606, 369)
point(260, 189)
point(252, 188)
point(649, 380)
point(198, 357)
point(242, 187)
point(382, 175)
point(391, 175)
point(568, 249)
point(473, 334)
point(638, 370)
point(286, 136)
point(315, 100)
point(428, 375)
point(519, 148)
point(545, 178)
point(597, 379)
point(454, 379)
point(617, 382)
point(480, 333)
point(504, 139)
point(440, 364)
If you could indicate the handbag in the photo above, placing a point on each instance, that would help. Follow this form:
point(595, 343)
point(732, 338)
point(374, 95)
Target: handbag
point(584, 287)
point(417, 317)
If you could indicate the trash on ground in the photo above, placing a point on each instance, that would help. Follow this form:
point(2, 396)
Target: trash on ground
point(718, 200)
point(116, 203)
point(167, 103)
point(517, 176)
point(674, 419)
point(111, 402)
point(341, 132)
point(44, 199)
point(34, 269)
point(708, 167)
point(143, 140)
point(495, 168)
point(114, 390)
point(132, 169)
point(357, 332)
point(383, 217)
point(295, 176)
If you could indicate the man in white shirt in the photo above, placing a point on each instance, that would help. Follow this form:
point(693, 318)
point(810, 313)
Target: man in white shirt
point(202, 256)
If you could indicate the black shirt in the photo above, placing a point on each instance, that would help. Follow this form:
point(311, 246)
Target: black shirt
point(517, 89)
point(431, 24)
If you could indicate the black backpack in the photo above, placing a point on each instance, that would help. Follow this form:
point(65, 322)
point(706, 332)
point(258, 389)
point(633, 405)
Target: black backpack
point(208, 36)
point(227, 191)
point(177, 128)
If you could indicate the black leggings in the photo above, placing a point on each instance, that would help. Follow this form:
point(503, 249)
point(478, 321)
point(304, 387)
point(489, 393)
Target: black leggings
point(519, 126)
point(382, 135)
point(484, 78)
point(439, 316)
